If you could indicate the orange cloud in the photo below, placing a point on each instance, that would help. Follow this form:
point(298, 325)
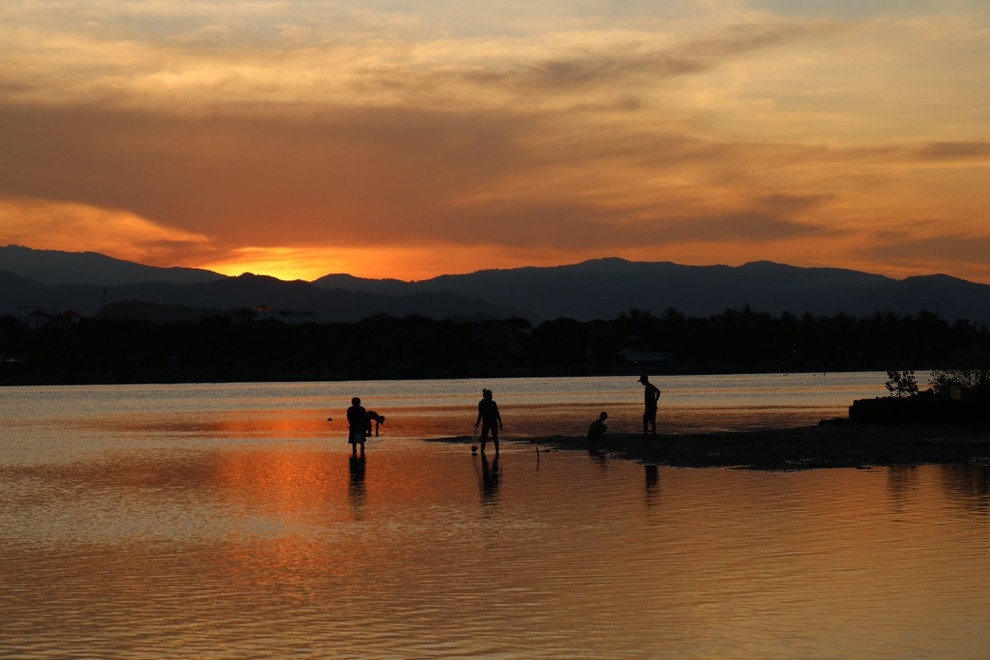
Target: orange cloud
point(74, 227)
point(411, 142)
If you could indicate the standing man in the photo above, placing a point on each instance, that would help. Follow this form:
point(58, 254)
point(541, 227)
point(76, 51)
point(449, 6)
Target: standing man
point(489, 418)
point(651, 395)
point(356, 423)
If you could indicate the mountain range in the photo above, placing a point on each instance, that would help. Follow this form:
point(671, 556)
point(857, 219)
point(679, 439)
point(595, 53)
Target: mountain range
point(92, 284)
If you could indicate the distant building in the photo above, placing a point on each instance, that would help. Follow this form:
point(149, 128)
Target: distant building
point(39, 318)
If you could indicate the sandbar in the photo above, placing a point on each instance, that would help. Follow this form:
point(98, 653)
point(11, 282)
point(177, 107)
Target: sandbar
point(832, 444)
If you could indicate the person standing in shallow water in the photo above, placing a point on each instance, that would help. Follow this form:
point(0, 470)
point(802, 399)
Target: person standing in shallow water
point(371, 416)
point(489, 418)
point(356, 423)
point(651, 398)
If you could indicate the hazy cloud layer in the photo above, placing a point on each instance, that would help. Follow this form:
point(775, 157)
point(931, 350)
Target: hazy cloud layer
point(410, 139)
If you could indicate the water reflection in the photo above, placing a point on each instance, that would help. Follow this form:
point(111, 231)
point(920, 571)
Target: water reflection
point(967, 484)
point(652, 474)
point(356, 490)
point(902, 480)
point(491, 477)
point(294, 541)
point(599, 457)
point(133, 538)
point(286, 424)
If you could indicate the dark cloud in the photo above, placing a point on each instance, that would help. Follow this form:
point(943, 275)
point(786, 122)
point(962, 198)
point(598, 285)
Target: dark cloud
point(594, 69)
point(607, 66)
point(792, 203)
point(954, 151)
point(745, 38)
point(956, 248)
point(746, 226)
point(575, 226)
point(928, 152)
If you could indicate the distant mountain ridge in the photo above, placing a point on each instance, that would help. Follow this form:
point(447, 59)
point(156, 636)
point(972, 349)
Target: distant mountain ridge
point(597, 289)
point(297, 301)
point(53, 267)
point(604, 288)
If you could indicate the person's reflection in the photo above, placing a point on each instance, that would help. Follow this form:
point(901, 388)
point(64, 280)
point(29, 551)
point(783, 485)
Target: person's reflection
point(652, 480)
point(599, 456)
point(490, 477)
point(355, 487)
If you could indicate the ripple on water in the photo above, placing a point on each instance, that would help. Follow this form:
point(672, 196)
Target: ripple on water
point(230, 548)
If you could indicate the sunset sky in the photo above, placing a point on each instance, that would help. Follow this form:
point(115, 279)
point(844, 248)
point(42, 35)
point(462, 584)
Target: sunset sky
point(391, 138)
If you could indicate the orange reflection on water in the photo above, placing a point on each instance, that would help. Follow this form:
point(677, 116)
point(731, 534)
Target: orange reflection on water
point(276, 425)
point(269, 424)
point(275, 480)
point(282, 493)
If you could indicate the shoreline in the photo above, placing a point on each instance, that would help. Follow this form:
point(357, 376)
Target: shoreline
point(830, 444)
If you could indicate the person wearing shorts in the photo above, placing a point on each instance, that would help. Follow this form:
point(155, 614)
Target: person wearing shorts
point(356, 423)
point(489, 418)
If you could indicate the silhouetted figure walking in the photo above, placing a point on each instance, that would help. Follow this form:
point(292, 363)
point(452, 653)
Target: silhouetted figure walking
point(597, 429)
point(651, 397)
point(356, 423)
point(489, 418)
point(371, 416)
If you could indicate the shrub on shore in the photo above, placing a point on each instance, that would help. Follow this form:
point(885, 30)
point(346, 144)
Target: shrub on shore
point(961, 383)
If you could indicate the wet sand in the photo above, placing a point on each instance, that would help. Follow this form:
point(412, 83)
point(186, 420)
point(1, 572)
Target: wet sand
point(832, 444)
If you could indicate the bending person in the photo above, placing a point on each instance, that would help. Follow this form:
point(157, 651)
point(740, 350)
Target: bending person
point(371, 416)
point(597, 429)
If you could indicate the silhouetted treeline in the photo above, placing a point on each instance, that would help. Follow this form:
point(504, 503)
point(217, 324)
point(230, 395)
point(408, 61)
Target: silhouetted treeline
point(231, 348)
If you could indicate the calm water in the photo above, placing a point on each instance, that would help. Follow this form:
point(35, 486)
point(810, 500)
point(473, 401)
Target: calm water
point(230, 521)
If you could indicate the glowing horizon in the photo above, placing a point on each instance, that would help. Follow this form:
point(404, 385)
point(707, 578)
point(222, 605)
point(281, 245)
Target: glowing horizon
point(401, 267)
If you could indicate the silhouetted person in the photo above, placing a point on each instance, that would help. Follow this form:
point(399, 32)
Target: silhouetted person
point(356, 423)
point(597, 429)
point(651, 397)
point(489, 418)
point(369, 417)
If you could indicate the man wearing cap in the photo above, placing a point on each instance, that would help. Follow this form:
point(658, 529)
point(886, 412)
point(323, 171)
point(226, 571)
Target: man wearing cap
point(651, 395)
